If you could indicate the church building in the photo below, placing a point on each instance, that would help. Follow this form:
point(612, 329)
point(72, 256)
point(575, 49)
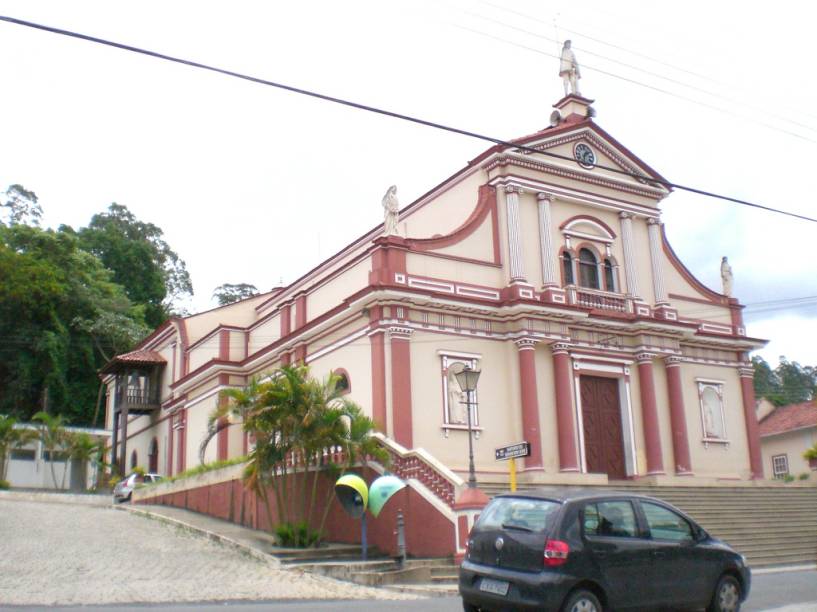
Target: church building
point(544, 264)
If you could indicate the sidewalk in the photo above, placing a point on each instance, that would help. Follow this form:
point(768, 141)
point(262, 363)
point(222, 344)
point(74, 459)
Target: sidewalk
point(56, 497)
point(253, 542)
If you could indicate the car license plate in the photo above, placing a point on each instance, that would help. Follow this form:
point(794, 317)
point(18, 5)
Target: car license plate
point(497, 587)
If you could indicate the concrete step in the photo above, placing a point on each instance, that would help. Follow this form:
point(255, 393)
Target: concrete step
point(331, 552)
point(426, 590)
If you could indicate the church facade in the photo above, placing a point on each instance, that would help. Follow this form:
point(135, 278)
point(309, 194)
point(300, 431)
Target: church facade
point(544, 265)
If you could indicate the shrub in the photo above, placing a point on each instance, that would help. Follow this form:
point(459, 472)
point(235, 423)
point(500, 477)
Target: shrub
point(803, 476)
point(297, 535)
point(5, 485)
point(788, 478)
point(811, 454)
point(208, 467)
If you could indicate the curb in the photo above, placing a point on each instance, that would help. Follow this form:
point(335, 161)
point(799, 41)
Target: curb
point(87, 499)
point(211, 535)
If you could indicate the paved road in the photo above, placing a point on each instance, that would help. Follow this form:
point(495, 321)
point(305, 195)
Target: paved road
point(783, 592)
point(57, 553)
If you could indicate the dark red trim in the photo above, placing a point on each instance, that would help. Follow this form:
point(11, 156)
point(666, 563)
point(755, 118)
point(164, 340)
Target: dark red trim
point(678, 422)
point(378, 347)
point(750, 419)
point(486, 204)
point(588, 218)
point(649, 416)
point(531, 429)
point(401, 390)
point(224, 344)
point(300, 311)
point(285, 320)
point(562, 379)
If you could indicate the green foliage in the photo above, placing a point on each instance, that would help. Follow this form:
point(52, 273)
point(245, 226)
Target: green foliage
point(140, 259)
point(803, 476)
point(788, 383)
point(5, 485)
point(22, 206)
point(228, 293)
point(294, 420)
point(296, 535)
point(54, 439)
point(208, 467)
point(788, 478)
point(811, 453)
point(11, 437)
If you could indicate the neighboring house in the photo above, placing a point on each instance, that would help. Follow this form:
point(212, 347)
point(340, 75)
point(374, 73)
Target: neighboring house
point(549, 272)
point(31, 466)
point(785, 434)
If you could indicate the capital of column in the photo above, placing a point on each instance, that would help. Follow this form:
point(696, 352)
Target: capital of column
point(560, 348)
point(400, 333)
point(672, 361)
point(746, 372)
point(645, 357)
point(625, 215)
point(512, 189)
point(544, 197)
point(526, 344)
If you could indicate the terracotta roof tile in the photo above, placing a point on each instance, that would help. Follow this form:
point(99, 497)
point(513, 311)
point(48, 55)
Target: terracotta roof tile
point(788, 418)
point(138, 357)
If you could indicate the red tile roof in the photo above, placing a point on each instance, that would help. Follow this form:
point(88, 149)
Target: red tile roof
point(138, 357)
point(788, 418)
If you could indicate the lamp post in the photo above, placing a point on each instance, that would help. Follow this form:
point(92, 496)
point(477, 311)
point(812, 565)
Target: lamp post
point(467, 379)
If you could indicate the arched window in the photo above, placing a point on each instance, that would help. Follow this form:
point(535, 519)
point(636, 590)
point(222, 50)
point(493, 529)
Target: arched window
point(153, 456)
point(567, 267)
point(133, 460)
point(343, 386)
point(609, 276)
point(588, 269)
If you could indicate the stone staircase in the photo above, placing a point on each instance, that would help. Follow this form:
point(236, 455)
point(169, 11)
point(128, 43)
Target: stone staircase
point(772, 525)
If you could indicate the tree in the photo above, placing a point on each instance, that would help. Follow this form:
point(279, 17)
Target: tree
point(227, 293)
point(11, 437)
point(295, 421)
point(140, 260)
point(82, 447)
point(788, 383)
point(22, 206)
point(55, 440)
point(61, 318)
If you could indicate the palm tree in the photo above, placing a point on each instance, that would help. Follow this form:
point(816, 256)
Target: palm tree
point(54, 439)
point(11, 437)
point(83, 448)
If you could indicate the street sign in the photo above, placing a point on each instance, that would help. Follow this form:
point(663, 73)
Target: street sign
point(513, 451)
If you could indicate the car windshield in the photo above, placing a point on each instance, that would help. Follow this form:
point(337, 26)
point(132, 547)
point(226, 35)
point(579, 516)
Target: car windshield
point(524, 514)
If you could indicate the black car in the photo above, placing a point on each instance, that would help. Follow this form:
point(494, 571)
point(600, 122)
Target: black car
point(588, 551)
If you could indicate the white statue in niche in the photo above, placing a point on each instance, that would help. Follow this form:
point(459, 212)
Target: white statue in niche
point(726, 277)
point(713, 424)
point(457, 407)
point(569, 69)
point(391, 211)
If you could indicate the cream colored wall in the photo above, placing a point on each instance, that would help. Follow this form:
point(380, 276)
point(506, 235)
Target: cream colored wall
point(237, 345)
point(356, 359)
point(240, 314)
point(265, 334)
point(197, 416)
point(498, 397)
point(235, 441)
point(718, 460)
point(203, 353)
point(449, 269)
point(793, 444)
point(447, 212)
point(167, 374)
point(545, 391)
point(333, 293)
point(479, 245)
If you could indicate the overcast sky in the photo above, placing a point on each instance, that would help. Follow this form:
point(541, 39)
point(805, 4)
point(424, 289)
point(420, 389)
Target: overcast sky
point(257, 185)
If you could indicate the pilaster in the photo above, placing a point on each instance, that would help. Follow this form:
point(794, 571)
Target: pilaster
point(677, 415)
point(654, 232)
point(517, 268)
point(629, 255)
point(649, 414)
point(531, 429)
point(399, 338)
point(562, 382)
point(747, 387)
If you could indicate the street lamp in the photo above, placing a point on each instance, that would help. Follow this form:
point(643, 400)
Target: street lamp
point(467, 379)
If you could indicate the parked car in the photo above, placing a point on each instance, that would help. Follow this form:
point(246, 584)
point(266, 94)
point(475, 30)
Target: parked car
point(581, 551)
point(123, 489)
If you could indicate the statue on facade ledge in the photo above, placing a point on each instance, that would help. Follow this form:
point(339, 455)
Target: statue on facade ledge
point(391, 211)
point(569, 70)
point(726, 277)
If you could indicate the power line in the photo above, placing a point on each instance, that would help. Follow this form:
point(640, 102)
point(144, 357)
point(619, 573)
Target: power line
point(388, 113)
point(656, 75)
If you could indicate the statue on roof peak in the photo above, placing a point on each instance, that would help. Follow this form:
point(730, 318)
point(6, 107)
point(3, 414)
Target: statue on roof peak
point(391, 211)
point(569, 70)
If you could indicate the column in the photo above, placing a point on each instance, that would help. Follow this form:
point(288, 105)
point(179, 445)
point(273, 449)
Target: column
point(546, 240)
point(654, 232)
point(629, 254)
point(748, 391)
point(531, 430)
point(563, 379)
point(649, 415)
point(514, 235)
point(677, 415)
point(170, 435)
point(401, 384)
point(378, 345)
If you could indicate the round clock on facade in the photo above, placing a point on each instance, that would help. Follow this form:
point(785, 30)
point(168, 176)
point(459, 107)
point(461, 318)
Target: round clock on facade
point(584, 155)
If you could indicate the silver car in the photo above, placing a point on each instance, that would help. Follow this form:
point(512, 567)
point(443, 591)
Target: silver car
point(124, 488)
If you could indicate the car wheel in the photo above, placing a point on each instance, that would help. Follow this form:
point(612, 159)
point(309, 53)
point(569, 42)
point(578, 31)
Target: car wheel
point(727, 596)
point(582, 601)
